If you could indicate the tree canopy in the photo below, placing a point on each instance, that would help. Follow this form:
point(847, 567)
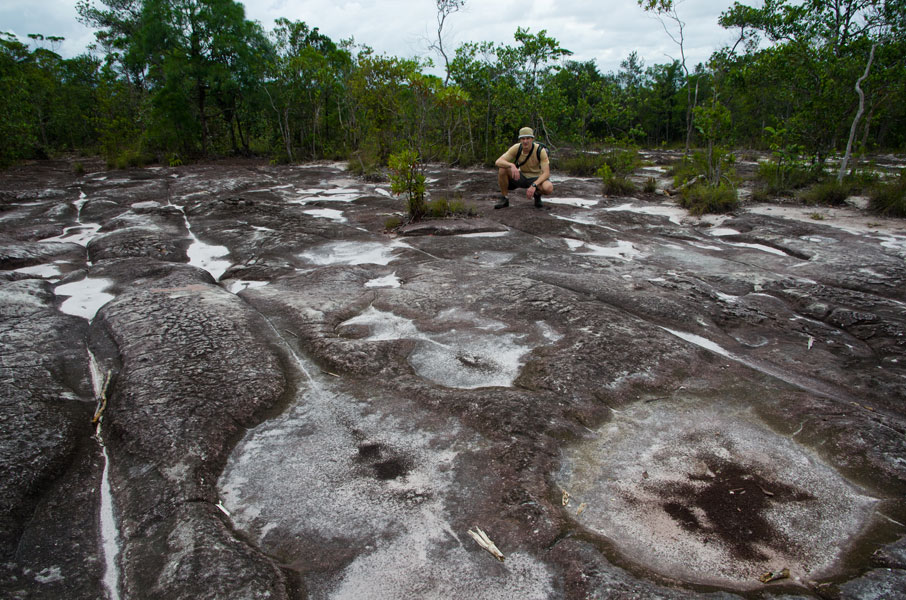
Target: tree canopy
point(174, 80)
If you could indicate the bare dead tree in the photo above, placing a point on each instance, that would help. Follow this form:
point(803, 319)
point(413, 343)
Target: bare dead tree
point(444, 9)
point(852, 130)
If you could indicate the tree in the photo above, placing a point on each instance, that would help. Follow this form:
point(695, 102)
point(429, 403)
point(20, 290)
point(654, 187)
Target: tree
point(444, 9)
point(666, 9)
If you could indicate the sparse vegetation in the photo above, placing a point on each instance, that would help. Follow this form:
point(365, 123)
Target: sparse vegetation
point(580, 165)
point(701, 199)
point(78, 169)
point(614, 185)
point(889, 198)
point(650, 186)
point(443, 207)
point(392, 223)
point(407, 177)
point(827, 193)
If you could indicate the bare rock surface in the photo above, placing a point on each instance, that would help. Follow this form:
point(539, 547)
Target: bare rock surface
point(292, 402)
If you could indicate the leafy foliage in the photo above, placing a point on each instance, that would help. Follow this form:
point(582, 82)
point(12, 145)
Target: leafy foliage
point(195, 78)
point(615, 184)
point(702, 199)
point(407, 177)
point(889, 198)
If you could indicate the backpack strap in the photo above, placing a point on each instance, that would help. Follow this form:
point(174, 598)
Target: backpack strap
point(527, 156)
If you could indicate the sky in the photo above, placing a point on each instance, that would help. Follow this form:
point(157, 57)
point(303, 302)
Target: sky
point(603, 31)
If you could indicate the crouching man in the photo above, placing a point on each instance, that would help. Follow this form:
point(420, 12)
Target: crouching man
point(525, 165)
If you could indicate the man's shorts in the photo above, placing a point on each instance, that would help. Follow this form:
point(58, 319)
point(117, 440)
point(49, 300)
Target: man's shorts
point(522, 182)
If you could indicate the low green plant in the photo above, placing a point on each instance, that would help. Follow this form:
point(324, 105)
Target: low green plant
point(364, 164)
point(392, 223)
point(579, 165)
point(443, 207)
point(173, 160)
point(129, 158)
point(827, 193)
point(407, 177)
point(701, 199)
point(781, 180)
point(614, 185)
point(78, 169)
point(650, 186)
point(889, 198)
point(816, 216)
point(622, 161)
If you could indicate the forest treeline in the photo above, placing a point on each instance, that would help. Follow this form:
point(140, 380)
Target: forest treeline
point(176, 80)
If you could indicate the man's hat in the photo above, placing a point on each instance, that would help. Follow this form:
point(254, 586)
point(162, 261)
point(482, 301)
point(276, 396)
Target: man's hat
point(526, 132)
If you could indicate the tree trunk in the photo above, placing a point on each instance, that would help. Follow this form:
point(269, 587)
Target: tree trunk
point(852, 130)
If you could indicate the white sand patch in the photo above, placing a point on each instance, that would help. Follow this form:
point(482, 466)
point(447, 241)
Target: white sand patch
point(760, 247)
point(77, 234)
point(353, 253)
point(623, 250)
point(567, 201)
point(86, 296)
point(722, 231)
point(848, 219)
point(45, 271)
point(581, 219)
point(239, 285)
point(327, 213)
point(486, 234)
point(674, 213)
point(464, 356)
point(391, 281)
point(208, 257)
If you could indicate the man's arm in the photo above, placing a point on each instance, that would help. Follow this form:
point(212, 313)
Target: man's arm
point(504, 162)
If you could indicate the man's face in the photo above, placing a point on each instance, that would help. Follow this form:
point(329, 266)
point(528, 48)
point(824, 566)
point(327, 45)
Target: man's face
point(526, 143)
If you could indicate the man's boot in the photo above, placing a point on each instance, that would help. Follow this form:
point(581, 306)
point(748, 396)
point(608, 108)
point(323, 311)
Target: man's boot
point(538, 200)
point(502, 203)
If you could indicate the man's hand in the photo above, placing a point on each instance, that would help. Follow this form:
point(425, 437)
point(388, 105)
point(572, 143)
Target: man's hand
point(530, 192)
point(514, 173)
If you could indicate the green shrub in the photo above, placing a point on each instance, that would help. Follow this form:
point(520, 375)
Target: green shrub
point(128, 159)
point(622, 161)
point(365, 164)
point(650, 186)
point(701, 199)
point(442, 207)
point(614, 185)
point(782, 179)
point(581, 165)
point(392, 223)
point(78, 169)
point(889, 198)
point(407, 177)
point(828, 193)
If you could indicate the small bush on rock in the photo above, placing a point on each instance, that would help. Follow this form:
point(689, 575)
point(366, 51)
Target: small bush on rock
point(407, 177)
point(889, 198)
point(701, 199)
point(614, 185)
point(829, 193)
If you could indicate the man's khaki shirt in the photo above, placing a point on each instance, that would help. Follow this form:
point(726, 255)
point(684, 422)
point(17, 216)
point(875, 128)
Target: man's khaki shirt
point(532, 167)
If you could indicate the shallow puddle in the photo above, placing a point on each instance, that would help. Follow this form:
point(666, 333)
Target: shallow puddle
point(357, 500)
point(472, 357)
point(703, 492)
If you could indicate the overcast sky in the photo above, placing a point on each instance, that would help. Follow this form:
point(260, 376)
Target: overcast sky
point(604, 31)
